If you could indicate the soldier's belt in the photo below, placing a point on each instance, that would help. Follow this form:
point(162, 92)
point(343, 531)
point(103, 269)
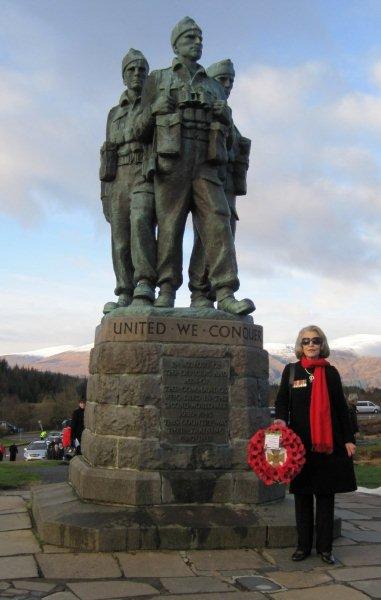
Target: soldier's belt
point(135, 158)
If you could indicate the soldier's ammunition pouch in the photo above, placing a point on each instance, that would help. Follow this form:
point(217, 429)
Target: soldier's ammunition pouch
point(109, 161)
point(217, 152)
point(240, 167)
point(168, 135)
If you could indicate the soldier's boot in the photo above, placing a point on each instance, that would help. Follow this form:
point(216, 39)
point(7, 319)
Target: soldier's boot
point(228, 303)
point(124, 299)
point(166, 297)
point(201, 300)
point(144, 294)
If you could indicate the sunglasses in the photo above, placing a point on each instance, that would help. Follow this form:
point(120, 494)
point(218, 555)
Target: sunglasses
point(316, 341)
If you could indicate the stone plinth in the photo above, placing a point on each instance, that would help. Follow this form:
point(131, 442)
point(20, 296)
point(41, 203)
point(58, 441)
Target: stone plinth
point(173, 399)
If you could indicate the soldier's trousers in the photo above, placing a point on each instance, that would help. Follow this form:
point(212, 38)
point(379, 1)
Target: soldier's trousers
point(198, 270)
point(188, 184)
point(132, 218)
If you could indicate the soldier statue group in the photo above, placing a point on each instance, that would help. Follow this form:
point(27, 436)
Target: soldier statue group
point(171, 148)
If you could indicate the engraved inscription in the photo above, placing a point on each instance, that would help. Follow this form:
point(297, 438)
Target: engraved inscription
point(196, 401)
point(198, 331)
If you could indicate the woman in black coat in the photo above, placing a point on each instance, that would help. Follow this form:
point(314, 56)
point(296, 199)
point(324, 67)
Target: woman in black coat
point(311, 401)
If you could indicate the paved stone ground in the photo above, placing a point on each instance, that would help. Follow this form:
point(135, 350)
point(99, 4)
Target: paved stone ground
point(31, 570)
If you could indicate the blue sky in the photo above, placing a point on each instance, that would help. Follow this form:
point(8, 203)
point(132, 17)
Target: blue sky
point(308, 94)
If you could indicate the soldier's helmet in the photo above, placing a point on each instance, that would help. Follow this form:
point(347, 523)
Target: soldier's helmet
point(222, 67)
point(131, 56)
point(186, 24)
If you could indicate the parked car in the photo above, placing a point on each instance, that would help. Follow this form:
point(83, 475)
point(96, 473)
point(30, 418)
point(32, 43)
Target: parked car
point(365, 406)
point(53, 436)
point(35, 451)
point(6, 427)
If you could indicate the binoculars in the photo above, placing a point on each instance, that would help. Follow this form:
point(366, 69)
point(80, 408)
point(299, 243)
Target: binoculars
point(195, 99)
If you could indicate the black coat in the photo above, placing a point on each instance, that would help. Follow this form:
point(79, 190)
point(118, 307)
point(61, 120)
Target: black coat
point(77, 424)
point(322, 473)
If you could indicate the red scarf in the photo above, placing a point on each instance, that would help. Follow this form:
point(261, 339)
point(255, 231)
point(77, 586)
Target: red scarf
point(320, 409)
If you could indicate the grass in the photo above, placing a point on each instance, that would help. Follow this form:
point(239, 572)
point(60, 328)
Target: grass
point(15, 475)
point(368, 475)
point(368, 463)
point(13, 440)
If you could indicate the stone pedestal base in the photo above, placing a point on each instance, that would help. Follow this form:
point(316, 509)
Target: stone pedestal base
point(173, 399)
point(63, 519)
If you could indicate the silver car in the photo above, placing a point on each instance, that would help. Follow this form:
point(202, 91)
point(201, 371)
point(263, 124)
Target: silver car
point(35, 451)
point(365, 406)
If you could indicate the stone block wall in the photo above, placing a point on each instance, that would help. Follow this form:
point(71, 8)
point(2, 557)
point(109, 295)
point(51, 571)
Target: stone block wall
point(138, 451)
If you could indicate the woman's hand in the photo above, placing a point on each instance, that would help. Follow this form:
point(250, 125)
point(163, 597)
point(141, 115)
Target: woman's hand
point(351, 449)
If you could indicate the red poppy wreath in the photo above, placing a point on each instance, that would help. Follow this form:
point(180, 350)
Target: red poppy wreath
point(276, 460)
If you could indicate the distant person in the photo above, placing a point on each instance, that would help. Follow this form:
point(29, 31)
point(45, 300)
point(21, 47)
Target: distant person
point(43, 435)
point(312, 402)
point(77, 425)
point(352, 407)
point(13, 451)
point(2, 452)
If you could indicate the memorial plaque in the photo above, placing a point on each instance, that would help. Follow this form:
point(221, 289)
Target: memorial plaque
point(196, 400)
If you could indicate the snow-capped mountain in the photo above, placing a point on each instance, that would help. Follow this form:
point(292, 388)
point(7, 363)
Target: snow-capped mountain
point(362, 344)
point(358, 358)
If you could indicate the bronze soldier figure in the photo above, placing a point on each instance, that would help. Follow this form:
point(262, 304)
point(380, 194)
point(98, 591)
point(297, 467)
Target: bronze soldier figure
point(127, 196)
point(234, 176)
point(186, 116)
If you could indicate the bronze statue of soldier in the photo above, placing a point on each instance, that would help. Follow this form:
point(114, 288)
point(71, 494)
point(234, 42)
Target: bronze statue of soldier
point(186, 118)
point(233, 175)
point(127, 196)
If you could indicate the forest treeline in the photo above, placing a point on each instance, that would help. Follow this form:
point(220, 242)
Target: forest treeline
point(28, 396)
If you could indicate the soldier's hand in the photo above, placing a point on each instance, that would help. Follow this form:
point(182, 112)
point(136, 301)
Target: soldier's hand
point(163, 105)
point(222, 111)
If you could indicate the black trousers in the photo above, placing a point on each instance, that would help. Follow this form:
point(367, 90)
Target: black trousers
point(304, 514)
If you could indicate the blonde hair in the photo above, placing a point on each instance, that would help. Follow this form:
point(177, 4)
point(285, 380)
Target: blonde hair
point(324, 348)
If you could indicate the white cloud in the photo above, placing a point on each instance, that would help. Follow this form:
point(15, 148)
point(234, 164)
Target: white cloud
point(314, 188)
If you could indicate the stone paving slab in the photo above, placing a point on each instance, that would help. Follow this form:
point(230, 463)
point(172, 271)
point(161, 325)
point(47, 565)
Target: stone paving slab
point(331, 592)
point(373, 525)
point(153, 564)
point(299, 579)
point(14, 593)
point(78, 566)
point(373, 588)
point(351, 514)
point(195, 585)
point(343, 541)
point(103, 590)
point(228, 560)
point(356, 573)
point(281, 557)
point(372, 513)
point(18, 567)
point(220, 596)
point(349, 526)
point(35, 586)
point(61, 596)
point(12, 504)
point(15, 521)
point(18, 542)
point(359, 555)
point(371, 537)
